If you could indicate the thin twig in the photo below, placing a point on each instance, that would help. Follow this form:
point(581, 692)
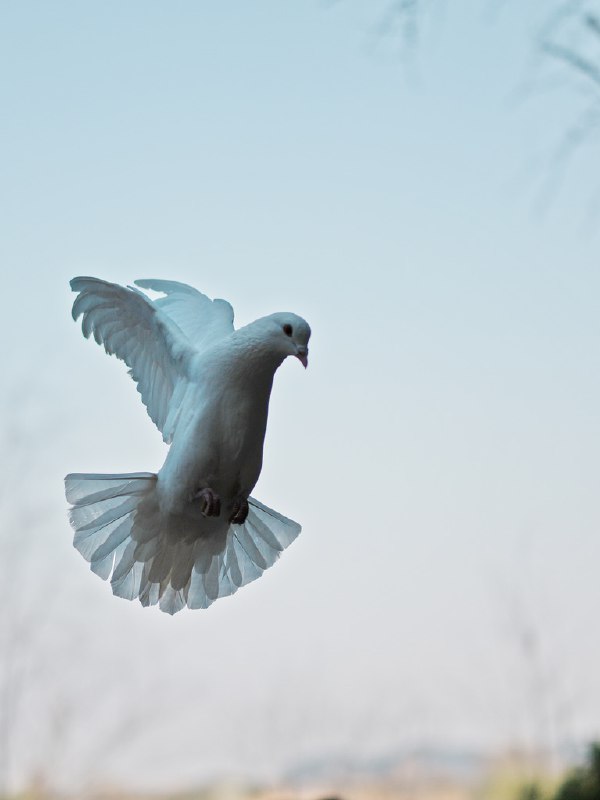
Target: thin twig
point(578, 62)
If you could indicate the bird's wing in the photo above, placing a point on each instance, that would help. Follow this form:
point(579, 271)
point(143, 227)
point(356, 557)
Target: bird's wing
point(201, 319)
point(132, 328)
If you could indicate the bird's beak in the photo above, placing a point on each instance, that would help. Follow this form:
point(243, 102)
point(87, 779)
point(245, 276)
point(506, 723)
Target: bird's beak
point(302, 356)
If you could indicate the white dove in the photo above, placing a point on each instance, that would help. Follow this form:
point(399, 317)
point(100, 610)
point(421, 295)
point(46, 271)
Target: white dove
point(191, 533)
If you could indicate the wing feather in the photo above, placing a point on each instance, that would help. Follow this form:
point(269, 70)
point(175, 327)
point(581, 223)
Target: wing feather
point(202, 320)
point(134, 329)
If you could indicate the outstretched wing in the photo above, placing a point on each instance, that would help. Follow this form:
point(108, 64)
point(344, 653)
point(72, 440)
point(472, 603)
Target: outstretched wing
point(201, 319)
point(132, 328)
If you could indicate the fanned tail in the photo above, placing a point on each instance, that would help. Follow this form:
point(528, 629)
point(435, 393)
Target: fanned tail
point(168, 560)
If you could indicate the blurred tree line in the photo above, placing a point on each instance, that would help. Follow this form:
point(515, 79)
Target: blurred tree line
point(581, 783)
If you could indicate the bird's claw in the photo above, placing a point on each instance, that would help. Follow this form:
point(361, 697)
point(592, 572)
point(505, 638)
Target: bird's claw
point(239, 512)
point(210, 503)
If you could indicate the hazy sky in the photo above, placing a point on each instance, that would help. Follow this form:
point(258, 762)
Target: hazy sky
point(441, 451)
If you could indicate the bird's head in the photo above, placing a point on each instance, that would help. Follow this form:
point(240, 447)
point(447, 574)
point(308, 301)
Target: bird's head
point(289, 335)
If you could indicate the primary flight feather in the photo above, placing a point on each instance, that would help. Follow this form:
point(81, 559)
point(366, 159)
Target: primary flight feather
point(191, 533)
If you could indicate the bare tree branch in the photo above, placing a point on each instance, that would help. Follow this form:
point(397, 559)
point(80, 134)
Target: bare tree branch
point(573, 59)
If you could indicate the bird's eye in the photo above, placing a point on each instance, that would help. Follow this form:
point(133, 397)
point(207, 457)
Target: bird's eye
point(287, 329)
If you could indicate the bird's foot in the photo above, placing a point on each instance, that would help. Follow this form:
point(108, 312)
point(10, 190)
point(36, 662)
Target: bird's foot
point(240, 511)
point(210, 503)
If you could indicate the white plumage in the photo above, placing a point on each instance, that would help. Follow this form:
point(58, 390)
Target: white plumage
point(191, 533)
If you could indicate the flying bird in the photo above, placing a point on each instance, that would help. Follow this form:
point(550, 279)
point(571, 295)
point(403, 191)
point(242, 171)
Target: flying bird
point(190, 533)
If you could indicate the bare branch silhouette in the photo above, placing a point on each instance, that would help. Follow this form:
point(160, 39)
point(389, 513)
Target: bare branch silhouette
point(575, 60)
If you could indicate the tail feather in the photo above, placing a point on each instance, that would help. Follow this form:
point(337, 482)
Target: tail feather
point(183, 563)
point(129, 585)
point(172, 601)
point(150, 594)
point(83, 489)
point(120, 531)
point(102, 563)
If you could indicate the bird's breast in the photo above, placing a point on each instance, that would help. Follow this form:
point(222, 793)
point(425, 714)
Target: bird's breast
point(242, 425)
point(220, 444)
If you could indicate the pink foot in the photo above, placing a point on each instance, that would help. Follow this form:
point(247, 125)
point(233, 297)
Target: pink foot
point(240, 511)
point(210, 503)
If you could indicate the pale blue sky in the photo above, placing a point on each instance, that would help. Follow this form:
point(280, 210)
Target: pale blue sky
point(442, 449)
